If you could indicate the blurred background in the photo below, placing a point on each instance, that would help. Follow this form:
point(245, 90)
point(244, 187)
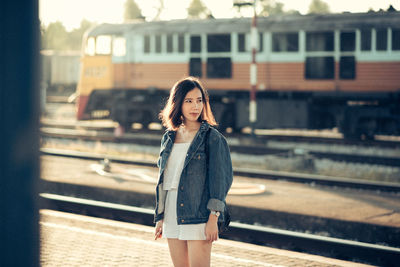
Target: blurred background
point(307, 94)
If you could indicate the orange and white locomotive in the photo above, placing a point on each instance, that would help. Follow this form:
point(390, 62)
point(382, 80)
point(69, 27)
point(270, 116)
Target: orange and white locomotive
point(314, 71)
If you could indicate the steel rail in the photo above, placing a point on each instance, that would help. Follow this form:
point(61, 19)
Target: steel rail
point(261, 235)
point(293, 138)
point(243, 149)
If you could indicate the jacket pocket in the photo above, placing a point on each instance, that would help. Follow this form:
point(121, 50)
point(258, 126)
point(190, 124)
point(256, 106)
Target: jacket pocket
point(197, 164)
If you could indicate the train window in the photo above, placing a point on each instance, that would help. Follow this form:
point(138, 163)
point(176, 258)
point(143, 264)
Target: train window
point(347, 67)
point(170, 46)
point(381, 39)
point(285, 42)
point(241, 42)
point(395, 39)
point(181, 43)
point(347, 41)
point(195, 67)
point(103, 45)
point(366, 40)
point(319, 41)
point(320, 68)
point(261, 42)
point(158, 43)
point(195, 44)
point(119, 47)
point(90, 47)
point(219, 42)
point(220, 67)
point(146, 44)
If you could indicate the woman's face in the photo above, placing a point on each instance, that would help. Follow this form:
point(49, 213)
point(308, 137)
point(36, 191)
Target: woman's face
point(192, 105)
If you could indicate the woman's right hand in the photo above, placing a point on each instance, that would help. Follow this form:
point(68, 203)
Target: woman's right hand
point(158, 230)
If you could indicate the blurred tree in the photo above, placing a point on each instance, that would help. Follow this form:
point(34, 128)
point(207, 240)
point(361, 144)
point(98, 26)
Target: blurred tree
point(55, 37)
point(132, 11)
point(75, 36)
point(391, 9)
point(160, 8)
point(293, 12)
point(42, 33)
point(271, 7)
point(197, 10)
point(318, 7)
point(268, 7)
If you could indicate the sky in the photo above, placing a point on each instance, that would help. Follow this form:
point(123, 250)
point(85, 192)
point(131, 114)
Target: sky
point(72, 12)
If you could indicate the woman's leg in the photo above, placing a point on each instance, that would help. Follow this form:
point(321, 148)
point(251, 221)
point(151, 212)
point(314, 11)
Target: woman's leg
point(178, 250)
point(199, 253)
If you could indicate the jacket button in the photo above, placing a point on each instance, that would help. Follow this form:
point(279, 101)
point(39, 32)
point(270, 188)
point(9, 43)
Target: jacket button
point(181, 187)
point(181, 204)
point(182, 220)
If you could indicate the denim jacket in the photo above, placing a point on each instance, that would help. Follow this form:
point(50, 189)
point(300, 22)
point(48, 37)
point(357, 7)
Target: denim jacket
point(198, 193)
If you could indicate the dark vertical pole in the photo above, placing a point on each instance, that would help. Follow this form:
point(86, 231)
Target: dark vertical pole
point(19, 139)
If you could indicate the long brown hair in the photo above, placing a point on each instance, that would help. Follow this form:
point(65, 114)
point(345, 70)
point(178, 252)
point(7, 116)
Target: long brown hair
point(171, 115)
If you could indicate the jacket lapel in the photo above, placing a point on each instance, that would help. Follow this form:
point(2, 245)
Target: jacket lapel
point(196, 143)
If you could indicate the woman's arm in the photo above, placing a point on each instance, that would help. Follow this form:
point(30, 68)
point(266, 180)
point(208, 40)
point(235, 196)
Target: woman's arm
point(212, 228)
point(220, 171)
point(163, 139)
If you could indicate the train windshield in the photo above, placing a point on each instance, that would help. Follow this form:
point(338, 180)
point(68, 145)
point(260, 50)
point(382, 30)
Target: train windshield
point(103, 45)
point(90, 47)
point(119, 47)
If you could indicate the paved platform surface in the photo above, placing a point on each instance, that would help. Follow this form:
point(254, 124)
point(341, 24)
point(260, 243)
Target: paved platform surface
point(351, 205)
point(76, 240)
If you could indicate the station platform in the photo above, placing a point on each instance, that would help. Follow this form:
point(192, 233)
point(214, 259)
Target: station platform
point(362, 206)
point(76, 240)
point(362, 215)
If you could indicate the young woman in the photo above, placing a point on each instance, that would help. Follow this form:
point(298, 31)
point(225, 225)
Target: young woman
point(194, 178)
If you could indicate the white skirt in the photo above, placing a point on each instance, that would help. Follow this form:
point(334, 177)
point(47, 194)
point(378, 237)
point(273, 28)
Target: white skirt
point(183, 231)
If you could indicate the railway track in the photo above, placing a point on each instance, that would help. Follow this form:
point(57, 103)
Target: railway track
point(333, 247)
point(262, 174)
point(254, 147)
point(262, 135)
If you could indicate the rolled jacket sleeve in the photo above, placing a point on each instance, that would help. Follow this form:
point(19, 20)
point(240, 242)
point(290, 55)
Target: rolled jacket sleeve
point(220, 171)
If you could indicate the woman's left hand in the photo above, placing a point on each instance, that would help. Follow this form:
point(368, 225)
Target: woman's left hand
point(212, 228)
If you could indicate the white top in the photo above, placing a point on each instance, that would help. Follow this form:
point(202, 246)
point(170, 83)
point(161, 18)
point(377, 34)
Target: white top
point(173, 170)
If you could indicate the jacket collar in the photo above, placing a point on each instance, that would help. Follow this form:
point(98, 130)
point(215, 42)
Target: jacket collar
point(203, 128)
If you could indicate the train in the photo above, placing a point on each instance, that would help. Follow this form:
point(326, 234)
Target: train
point(60, 71)
point(313, 71)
